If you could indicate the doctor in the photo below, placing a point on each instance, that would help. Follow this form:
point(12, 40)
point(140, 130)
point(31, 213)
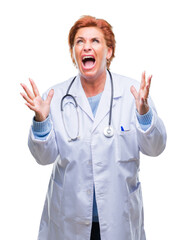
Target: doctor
point(94, 190)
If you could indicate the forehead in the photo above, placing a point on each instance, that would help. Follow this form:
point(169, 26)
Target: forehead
point(89, 32)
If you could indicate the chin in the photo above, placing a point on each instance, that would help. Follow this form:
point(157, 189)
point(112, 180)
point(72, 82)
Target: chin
point(92, 73)
point(88, 74)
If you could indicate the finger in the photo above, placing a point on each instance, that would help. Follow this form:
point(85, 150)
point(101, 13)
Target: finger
point(30, 106)
point(27, 99)
point(149, 81)
point(34, 88)
point(143, 82)
point(28, 92)
point(148, 87)
point(134, 92)
point(50, 96)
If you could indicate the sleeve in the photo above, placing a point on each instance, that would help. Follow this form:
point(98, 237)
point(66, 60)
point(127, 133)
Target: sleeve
point(152, 141)
point(145, 120)
point(42, 141)
point(41, 129)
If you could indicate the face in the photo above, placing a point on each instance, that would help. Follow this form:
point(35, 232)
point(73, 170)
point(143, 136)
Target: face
point(90, 52)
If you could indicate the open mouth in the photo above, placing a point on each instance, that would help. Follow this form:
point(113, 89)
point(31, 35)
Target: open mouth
point(88, 61)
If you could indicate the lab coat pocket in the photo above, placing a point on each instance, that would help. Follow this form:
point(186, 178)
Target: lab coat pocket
point(135, 207)
point(55, 200)
point(128, 145)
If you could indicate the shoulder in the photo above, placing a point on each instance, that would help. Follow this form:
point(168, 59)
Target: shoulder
point(60, 88)
point(125, 82)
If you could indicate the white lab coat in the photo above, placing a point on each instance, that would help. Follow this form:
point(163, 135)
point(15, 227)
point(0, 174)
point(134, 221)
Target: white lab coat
point(111, 164)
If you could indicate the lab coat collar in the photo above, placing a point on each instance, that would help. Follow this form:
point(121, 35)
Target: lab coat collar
point(104, 105)
point(78, 92)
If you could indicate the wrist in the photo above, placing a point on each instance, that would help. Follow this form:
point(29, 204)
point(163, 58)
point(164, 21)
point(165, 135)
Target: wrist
point(143, 110)
point(39, 117)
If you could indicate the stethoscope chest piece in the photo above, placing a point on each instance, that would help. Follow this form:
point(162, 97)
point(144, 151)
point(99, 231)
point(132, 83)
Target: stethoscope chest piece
point(108, 132)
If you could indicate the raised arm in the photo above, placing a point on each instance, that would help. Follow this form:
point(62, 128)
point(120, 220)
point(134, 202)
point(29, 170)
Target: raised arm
point(151, 142)
point(44, 149)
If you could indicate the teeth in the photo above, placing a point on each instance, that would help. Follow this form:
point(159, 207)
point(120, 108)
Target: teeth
point(86, 57)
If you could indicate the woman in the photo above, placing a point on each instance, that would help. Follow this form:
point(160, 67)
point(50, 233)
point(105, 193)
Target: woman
point(94, 139)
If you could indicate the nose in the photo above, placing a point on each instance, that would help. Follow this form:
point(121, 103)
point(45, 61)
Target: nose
point(87, 46)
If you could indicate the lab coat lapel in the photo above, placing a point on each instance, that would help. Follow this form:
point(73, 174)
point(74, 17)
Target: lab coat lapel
point(104, 104)
point(80, 96)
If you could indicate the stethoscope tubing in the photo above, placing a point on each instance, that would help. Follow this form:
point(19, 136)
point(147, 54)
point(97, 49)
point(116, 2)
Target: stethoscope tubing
point(108, 131)
point(111, 99)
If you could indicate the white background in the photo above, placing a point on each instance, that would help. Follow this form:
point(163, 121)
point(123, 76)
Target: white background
point(151, 36)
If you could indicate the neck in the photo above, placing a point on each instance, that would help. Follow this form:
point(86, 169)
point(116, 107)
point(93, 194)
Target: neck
point(95, 85)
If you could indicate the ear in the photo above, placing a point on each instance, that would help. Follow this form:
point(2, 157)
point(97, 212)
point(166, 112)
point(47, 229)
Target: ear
point(73, 57)
point(109, 53)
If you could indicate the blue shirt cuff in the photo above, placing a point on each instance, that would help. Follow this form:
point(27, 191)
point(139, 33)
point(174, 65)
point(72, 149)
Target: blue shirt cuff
point(41, 129)
point(145, 120)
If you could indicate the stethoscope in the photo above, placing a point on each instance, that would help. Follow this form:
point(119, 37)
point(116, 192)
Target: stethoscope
point(108, 131)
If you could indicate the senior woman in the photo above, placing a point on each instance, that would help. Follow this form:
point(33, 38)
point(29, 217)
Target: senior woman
point(92, 128)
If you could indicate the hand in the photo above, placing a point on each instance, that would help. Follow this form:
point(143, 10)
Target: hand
point(141, 96)
point(36, 103)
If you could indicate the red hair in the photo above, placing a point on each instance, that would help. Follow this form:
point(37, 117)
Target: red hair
point(89, 21)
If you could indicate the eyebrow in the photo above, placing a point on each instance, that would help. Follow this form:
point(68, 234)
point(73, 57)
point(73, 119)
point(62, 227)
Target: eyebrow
point(79, 37)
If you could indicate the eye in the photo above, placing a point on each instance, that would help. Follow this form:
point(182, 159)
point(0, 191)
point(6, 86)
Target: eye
point(79, 41)
point(95, 40)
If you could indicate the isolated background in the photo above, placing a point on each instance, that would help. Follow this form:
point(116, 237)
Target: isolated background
point(151, 36)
